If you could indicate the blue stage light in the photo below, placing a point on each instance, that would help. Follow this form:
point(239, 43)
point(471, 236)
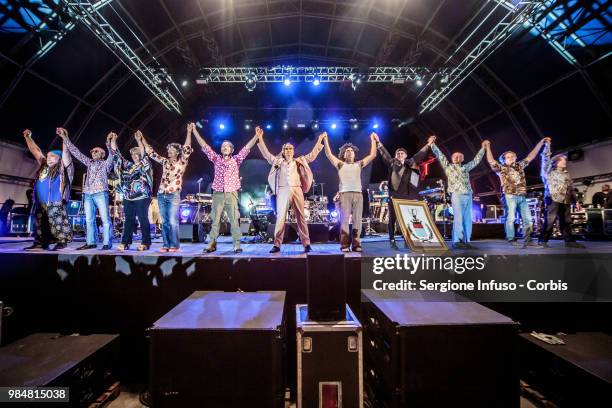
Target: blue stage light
point(316, 81)
point(334, 125)
point(221, 126)
point(287, 82)
point(375, 125)
point(268, 126)
point(334, 214)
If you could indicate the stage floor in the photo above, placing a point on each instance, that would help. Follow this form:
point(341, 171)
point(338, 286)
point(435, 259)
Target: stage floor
point(373, 246)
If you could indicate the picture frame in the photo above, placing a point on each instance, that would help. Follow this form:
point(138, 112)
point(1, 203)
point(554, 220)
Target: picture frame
point(418, 226)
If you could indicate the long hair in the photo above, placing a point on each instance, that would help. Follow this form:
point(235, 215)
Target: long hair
point(347, 146)
point(53, 170)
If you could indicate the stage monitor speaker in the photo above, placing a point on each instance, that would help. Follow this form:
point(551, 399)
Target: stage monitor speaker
point(318, 233)
point(220, 349)
point(326, 287)
point(432, 349)
point(192, 232)
point(83, 363)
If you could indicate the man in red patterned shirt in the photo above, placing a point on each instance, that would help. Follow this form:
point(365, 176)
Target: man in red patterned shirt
point(226, 184)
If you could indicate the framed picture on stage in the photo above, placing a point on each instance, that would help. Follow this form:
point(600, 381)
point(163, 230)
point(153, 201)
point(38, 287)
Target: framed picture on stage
point(418, 226)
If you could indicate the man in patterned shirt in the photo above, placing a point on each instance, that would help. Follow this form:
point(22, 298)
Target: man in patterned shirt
point(226, 184)
point(458, 178)
point(95, 190)
point(558, 194)
point(169, 193)
point(136, 184)
point(514, 187)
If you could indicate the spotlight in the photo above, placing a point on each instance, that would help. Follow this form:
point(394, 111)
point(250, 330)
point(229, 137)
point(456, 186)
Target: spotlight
point(419, 81)
point(251, 82)
point(247, 126)
point(334, 214)
point(356, 80)
point(316, 81)
point(315, 125)
point(375, 125)
point(199, 124)
point(268, 126)
point(354, 124)
point(334, 125)
point(287, 81)
point(221, 126)
point(285, 126)
point(184, 83)
point(444, 79)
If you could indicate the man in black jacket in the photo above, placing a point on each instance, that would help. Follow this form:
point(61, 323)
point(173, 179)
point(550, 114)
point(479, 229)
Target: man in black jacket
point(402, 178)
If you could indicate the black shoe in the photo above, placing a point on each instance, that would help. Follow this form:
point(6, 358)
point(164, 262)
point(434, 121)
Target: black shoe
point(212, 247)
point(59, 245)
point(307, 249)
point(274, 249)
point(238, 250)
point(393, 245)
point(106, 248)
point(86, 246)
point(467, 245)
point(36, 247)
point(573, 244)
point(458, 245)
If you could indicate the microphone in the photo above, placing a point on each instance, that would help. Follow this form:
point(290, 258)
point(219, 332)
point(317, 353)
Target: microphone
point(200, 180)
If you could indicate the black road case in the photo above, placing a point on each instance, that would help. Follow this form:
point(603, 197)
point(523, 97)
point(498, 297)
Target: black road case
point(329, 362)
point(220, 349)
point(434, 350)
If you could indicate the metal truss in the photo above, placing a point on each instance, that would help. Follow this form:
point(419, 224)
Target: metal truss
point(513, 16)
point(570, 24)
point(151, 77)
point(398, 75)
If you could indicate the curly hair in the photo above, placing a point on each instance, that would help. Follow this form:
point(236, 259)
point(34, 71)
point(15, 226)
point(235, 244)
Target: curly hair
point(177, 146)
point(345, 146)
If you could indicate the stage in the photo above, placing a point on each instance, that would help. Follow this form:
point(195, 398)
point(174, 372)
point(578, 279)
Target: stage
point(97, 291)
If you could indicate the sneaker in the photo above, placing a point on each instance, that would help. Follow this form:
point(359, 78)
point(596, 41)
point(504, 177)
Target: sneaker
point(345, 249)
point(163, 249)
point(274, 249)
point(307, 248)
point(123, 247)
point(86, 246)
point(59, 246)
point(143, 247)
point(106, 248)
point(238, 250)
point(357, 249)
point(173, 249)
point(393, 245)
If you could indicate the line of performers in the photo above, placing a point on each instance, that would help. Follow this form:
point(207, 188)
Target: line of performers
point(289, 178)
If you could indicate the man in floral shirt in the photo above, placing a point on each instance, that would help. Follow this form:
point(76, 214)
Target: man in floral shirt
point(514, 187)
point(460, 189)
point(95, 190)
point(226, 184)
point(169, 193)
point(558, 194)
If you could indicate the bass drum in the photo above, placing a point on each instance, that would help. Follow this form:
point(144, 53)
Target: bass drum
point(154, 215)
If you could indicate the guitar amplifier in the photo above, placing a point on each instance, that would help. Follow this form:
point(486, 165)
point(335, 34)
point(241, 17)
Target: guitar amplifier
point(220, 349)
point(329, 361)
point(21, 224)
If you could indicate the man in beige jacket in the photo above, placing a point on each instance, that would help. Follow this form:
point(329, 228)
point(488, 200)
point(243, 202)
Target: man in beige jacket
point(289, 179)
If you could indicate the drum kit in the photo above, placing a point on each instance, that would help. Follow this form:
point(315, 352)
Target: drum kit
point(196, 209)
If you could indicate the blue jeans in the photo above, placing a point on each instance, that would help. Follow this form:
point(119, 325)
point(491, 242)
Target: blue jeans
point(512, 203)
point(168, 210)
point(99, 201)
point(462, 217)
